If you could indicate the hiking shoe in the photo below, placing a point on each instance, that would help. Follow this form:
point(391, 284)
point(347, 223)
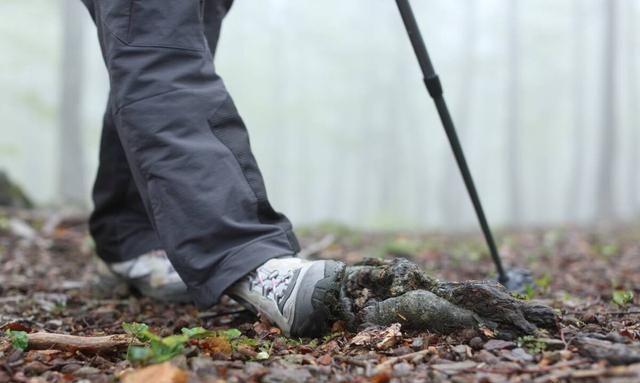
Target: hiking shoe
point(296, 295)
point(151, 274)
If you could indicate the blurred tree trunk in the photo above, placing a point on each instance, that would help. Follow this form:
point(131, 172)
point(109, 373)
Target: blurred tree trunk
point(71, 182)
point(579, 74)
point(609, 129)
point(453, 192)
point(632, 84)
point(513, 112)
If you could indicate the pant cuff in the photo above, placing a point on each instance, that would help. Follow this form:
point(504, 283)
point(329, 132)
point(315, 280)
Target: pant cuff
point(239, 265)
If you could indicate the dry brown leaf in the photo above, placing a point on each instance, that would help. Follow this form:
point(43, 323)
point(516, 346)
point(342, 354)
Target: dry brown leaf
point(325, 360)
point(383, 377)
point(159, 373)
point(216, 344)
point(390, 337)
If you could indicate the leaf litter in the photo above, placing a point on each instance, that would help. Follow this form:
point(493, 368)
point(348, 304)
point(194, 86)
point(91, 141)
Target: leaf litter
point(588, 276)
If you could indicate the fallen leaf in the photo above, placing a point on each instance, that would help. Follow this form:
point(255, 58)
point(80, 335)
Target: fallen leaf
point(383, 377)
point(215, 344)
point(159, 373)
point(390, 337)
point(325, 360)
point(246, 350)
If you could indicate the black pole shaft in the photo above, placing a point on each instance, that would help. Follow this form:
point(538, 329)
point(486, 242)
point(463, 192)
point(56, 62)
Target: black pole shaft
point(434, 87)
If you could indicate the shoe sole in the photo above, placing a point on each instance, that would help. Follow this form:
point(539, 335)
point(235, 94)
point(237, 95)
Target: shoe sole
point(316, 303)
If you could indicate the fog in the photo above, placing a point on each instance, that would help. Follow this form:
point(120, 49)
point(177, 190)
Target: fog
point(544, 94)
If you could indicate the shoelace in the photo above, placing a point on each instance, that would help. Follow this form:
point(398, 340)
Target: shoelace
point(271, 284)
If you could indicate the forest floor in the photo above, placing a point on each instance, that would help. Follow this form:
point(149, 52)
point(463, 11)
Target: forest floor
point(589, 276)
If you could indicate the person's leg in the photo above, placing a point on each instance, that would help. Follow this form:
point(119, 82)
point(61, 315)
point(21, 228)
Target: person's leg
point(186, 145)
point(119, 223)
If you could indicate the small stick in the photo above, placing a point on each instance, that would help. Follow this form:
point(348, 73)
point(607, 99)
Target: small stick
point(87, 344)
point(391, 361)
point(317, 247)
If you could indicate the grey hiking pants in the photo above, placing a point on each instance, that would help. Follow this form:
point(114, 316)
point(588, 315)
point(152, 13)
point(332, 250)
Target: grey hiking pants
point(176, 169)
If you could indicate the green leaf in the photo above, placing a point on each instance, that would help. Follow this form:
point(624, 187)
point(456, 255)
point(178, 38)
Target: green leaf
point(175, 340)
point(19, 339)
point(138, 354)
point(137, 330)
point(197, 332)
point(529, 292)
point(622, 297)
point(544, 281)
point(231, 333)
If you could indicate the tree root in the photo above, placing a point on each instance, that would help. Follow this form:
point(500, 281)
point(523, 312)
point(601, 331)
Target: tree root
point(377, 292)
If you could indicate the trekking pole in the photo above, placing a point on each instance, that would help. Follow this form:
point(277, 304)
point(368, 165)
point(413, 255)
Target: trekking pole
point(432, 81)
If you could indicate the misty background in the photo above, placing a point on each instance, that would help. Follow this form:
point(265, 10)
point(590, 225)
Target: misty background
point(544, 94)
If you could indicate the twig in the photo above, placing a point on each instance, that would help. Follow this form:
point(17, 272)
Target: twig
point(355, 362)
point(391, 361)
point(88, 344)
point(213, 314)
point(533, 370)
point(316, 247)
point(622, 312)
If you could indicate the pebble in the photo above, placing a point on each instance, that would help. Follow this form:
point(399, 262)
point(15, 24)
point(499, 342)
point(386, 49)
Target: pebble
point(418, 343)
point(497, 344)
point(86, 371)
point(402, 369)
point(476, 343)
point(35, 368)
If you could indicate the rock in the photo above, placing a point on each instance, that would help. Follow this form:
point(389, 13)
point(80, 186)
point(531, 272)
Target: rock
point(402, 369)
point(487, 357)
point(462, 351)
point(86, 371)
point(476, 343)
point(35, 368)
point(70, 368)
point(286, 375)
point(418, 343)
point(11, 195)
point(402, 350)
point(497, 344)
point(452, 368)
point(159, 373)
point(519, 355)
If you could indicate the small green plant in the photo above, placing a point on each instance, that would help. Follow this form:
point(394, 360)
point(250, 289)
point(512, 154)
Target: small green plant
point(609, 250)
point(532, 344)
point(544, 282)
point(331, 336)
point(529, 292)
point(158, 349)
point(18, 339)
point(622, 297)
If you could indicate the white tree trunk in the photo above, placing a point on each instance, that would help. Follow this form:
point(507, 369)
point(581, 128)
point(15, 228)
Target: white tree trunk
point(71, 181)
point(609, 130)
point(513, 112)
point(574, 198)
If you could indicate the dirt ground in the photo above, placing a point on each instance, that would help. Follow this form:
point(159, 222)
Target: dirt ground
point(589, 276)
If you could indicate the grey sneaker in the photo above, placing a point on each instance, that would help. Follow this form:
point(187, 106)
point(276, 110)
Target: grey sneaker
point(296, 295)
point(151, 274)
